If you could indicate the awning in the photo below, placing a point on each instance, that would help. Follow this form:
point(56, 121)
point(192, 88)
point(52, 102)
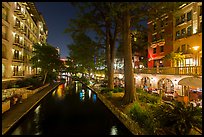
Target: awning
point(191, 81)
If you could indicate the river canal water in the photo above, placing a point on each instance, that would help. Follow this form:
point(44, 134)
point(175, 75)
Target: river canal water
point(70, 110)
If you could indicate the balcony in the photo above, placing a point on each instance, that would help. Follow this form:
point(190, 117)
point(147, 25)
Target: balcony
point(182, 22)
point(159, 41)
point(18, 73)
point(18, 43)
point(17, 27)
point(192, 70)
point(17, 59)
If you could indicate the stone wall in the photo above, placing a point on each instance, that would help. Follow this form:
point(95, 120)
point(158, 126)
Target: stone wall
point(126, 120)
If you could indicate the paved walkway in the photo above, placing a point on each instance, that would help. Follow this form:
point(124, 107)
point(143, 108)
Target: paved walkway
point(16, 112)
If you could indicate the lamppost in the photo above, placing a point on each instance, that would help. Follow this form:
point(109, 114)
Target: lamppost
point(196, 58)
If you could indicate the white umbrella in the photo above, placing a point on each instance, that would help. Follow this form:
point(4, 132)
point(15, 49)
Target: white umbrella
point(191, 81)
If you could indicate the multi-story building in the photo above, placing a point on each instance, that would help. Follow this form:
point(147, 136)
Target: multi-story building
point(177, 32)
point(160, 39)
point(187, 34)
point(22, 26)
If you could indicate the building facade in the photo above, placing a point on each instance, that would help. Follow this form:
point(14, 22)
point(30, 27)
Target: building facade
point(22, 26)
point(160, 38)
point(187, 34)
point(176, 32)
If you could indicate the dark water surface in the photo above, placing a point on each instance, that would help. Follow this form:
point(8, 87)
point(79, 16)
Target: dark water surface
point(71, 111)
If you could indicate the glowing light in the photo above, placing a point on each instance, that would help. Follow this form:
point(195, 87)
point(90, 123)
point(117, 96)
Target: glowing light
point(89, 93)
point(37, 110)
point(195, 47)
point(14, 34)
point(114, 130)
point(94, 98)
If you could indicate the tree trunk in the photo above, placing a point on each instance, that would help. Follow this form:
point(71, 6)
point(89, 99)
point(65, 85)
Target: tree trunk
point(110, 70)
point(45, 78)
point(130, 89)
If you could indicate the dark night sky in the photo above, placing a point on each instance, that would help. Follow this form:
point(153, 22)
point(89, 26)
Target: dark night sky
point(56, 16)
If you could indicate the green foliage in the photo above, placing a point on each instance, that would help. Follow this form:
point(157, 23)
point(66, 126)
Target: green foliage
point(149, 98)
point(140, 90)
point(107, 91)
point(84, 80)
point(118, 89)
point(85, 55)
point(138, 114)
point(23, 83)
point(47, 58)
point(175, 57)
point(177, 117)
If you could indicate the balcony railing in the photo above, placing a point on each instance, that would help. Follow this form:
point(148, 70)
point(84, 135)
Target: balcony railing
point(18, 73)
point(192, 70)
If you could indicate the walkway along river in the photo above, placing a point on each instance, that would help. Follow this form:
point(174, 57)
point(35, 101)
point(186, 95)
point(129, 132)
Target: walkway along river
point(70, 110)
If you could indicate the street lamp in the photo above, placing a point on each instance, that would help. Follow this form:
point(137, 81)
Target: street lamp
point(196, 58)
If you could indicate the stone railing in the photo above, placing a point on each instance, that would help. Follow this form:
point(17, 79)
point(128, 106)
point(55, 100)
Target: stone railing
point(23, 93)
point(124, 118)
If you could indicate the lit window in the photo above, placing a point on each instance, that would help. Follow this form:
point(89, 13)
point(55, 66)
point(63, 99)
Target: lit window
point(161, 48)
point(166, 22)
point(18, 7)
point(189, 62)
point(183, 31)
point(154, 50)
point(154, 26)
point(189, 15)
point(183, 18)
point(177, 21)
point(200, 10)
point(154, 38)
point(189, 30)
point(177, 34)
point(162, 23)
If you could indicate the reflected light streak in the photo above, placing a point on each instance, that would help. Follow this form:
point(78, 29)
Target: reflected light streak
point(89, 93)
point(82, 95)
point(94, 97)
point(114, 130)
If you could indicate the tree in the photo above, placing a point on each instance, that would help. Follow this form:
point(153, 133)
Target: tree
point(47, 58)
point(175, 58)
point(177, 117)
point(132, 15)
point(85, 53)
point(101, 18)
point(113, 18)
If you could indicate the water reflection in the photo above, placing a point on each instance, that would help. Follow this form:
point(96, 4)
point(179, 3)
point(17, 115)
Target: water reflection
point(114, 130)
point(80, 112)
point(59, 92)
point(37, 119)
point(82, 95)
